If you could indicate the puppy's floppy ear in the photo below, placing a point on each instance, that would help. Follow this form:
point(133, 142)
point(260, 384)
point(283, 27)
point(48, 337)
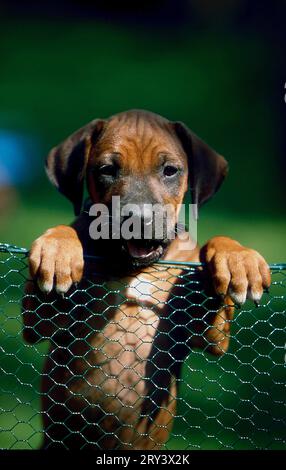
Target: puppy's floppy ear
point(66, 163)
point(207, 169)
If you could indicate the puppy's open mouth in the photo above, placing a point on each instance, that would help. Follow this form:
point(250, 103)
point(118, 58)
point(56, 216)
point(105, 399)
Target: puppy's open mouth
point(144, 251)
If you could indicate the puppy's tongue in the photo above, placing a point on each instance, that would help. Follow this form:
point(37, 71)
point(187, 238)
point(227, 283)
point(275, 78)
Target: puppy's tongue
point(140, 250)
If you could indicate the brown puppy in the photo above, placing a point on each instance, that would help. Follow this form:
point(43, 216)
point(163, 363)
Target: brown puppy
point(110, 378)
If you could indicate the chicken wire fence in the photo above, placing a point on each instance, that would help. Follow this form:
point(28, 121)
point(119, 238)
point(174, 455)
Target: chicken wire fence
point(117, 362)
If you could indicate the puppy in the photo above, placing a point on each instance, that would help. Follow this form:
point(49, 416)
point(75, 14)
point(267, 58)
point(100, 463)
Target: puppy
point(120, 333)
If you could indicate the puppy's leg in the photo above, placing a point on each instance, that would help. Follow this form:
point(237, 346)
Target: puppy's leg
point(56, 259)
point(238, 273)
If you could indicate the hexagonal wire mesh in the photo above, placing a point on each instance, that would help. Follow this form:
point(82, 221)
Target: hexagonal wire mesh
point(106, 368)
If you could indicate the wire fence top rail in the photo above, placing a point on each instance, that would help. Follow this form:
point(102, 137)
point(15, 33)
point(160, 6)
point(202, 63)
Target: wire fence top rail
point(8, 248)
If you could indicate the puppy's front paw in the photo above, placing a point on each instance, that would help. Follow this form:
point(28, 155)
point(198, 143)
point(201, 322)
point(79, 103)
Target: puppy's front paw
point(56, 259)
point(237, 271)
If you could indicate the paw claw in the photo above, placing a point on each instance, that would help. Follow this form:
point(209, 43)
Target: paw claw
point(45, 286)
point(62, 289)
point(237, 298)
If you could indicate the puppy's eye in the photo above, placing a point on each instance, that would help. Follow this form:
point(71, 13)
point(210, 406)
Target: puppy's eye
point(170, 170)
point(108, 170)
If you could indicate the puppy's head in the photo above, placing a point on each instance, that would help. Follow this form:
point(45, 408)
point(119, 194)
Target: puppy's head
point(145, 159)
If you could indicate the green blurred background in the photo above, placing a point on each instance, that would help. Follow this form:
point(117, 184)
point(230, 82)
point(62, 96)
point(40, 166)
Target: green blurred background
point(219, 66)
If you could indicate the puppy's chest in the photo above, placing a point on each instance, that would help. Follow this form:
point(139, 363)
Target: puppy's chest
point(127, 311)
point(151, 287)
point(125, 319)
